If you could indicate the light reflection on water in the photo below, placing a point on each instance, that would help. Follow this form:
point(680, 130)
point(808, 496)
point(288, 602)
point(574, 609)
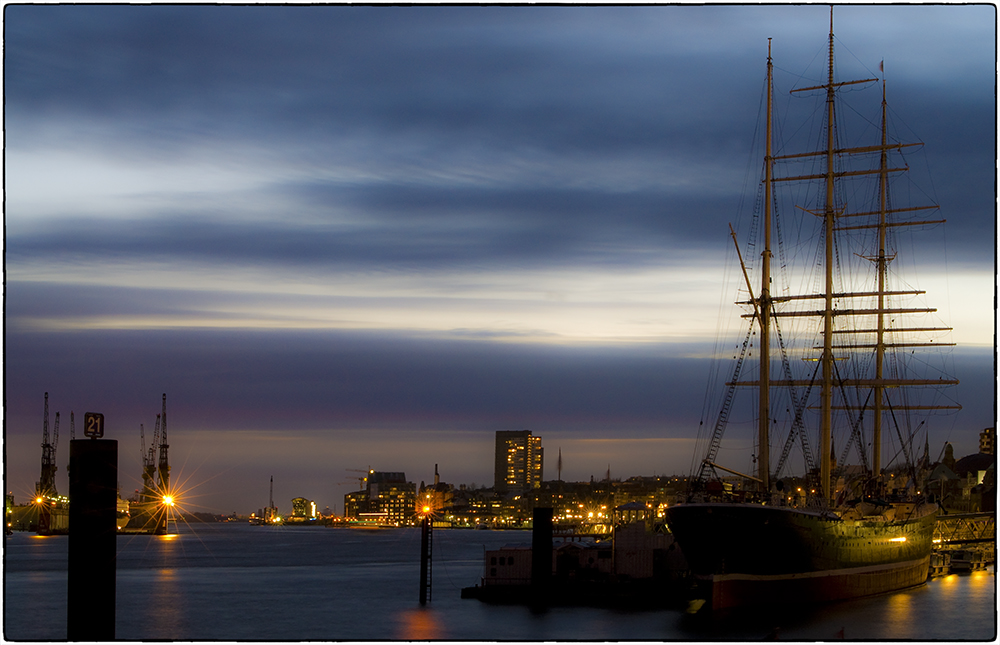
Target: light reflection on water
point(237, 582)
point(421, 624)
point(952, 608)
point(165, 615)
point(899, 616)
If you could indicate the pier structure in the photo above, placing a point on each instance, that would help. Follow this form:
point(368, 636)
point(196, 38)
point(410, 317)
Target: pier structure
point(961, 529)
point(637, 565)
point(963, 542)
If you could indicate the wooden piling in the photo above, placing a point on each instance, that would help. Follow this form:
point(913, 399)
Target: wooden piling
point(93, 491)
point(425, 559)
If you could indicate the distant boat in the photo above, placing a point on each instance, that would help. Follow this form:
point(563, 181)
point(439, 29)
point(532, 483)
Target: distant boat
point(370, 521)
point(122, 513)
point(966, 561)
point(149, 518)
point(746, 539)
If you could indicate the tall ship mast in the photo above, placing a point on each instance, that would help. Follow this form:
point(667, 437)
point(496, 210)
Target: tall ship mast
point(830, 363)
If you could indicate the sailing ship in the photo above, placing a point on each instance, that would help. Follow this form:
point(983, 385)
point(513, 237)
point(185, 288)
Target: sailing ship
point(753, 539)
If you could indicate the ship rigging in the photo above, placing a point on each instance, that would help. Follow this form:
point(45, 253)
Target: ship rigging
point(851, 330)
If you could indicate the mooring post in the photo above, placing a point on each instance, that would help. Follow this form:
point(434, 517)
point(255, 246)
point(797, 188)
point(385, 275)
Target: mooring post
point(425, 558)
point(93, 491)
point(541, 553)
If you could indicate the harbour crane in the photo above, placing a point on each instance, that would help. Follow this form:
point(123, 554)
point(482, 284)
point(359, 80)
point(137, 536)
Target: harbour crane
point(270, 513)
point(46, 485)
point(148, 465)
point(351, 480)
point(163, 466)
point(55, 442)
point(72, 432)
point(361, 480)
point(45, 488)
point(152, 513)
point(151, 458)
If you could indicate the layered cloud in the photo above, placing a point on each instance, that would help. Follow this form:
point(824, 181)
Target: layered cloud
point(473, 187)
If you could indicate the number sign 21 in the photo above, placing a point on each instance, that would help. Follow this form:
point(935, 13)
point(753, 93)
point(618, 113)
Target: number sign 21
point(93, 425)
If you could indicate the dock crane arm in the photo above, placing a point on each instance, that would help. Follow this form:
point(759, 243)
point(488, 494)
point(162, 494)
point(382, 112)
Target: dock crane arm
point(55, 436)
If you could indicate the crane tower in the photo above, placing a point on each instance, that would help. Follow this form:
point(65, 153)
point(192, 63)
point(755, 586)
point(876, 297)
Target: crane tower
point(149, 462)
point(46, 486)
point(163, 465)
point(270, 513)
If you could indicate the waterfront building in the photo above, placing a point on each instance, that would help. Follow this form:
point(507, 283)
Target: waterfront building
point(355, 503)
point(438, 496)
point(977, 481)
point(391, 494)
point(387, 498)
point(471, 507)
point(580, 505)
point(577, 505)
point(988, 441)
point(508, 565)
point(519, 460)
point(303, 509)
point(966, 485)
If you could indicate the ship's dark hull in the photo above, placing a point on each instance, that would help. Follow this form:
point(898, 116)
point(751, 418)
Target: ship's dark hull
point(755, 554)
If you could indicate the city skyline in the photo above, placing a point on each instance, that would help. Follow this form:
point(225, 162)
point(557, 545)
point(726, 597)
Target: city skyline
point(370, 237)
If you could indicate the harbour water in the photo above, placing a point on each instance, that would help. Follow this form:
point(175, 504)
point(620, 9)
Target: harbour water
point(240, 582)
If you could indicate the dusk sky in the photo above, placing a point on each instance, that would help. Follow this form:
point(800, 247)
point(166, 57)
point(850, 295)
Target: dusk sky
point(349, 237)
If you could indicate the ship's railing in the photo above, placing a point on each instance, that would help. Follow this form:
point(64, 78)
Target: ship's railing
point(809, 502)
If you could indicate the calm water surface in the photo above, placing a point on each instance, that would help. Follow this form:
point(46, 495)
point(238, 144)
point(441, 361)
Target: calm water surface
point(240, 582)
